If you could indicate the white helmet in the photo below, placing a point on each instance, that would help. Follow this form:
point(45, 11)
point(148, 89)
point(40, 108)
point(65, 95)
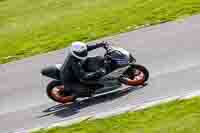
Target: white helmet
point(79, 50)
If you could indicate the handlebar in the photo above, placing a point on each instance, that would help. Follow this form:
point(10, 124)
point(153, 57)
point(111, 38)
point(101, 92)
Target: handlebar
point(106, 45)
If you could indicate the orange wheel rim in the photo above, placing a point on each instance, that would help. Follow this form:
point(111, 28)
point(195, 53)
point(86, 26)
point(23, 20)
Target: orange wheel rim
point(137, 79)
point(58, 94)
point(139, 76)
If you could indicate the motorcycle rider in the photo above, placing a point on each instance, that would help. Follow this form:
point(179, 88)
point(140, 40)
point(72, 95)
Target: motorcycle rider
point(72, 69)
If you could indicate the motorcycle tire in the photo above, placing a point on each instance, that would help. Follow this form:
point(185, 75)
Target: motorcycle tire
point(131, 78)
point(55, 91)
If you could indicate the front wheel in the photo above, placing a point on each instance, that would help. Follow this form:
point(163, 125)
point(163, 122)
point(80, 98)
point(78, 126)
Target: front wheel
point(55, 91)
point(135, 75)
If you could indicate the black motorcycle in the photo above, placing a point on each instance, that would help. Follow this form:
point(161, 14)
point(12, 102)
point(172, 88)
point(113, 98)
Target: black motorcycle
point(120, 64)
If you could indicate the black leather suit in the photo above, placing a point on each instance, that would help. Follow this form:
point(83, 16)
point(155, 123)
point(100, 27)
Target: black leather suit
point(72, 70)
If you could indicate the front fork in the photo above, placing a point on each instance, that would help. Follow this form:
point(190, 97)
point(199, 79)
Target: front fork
point(132, 60)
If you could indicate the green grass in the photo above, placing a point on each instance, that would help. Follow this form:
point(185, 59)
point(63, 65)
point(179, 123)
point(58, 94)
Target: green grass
point(29, 27)
point(173, 117)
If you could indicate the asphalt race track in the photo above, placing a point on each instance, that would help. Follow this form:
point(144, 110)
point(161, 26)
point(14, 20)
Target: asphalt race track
point(171, 52)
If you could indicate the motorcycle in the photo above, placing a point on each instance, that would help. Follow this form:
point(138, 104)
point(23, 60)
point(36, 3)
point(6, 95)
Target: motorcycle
point(120, 64)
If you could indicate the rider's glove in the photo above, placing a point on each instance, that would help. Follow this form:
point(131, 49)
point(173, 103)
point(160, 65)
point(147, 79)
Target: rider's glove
point(103, 44)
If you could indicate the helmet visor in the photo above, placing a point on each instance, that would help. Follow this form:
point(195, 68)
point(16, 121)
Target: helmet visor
point(81, 54)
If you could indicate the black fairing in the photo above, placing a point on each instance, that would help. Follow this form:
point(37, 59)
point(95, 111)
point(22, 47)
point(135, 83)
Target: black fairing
point(51, 72)
point(118, 59)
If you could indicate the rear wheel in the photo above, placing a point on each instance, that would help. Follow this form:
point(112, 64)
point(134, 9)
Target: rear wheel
point(135, 75)
point(55, 91)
